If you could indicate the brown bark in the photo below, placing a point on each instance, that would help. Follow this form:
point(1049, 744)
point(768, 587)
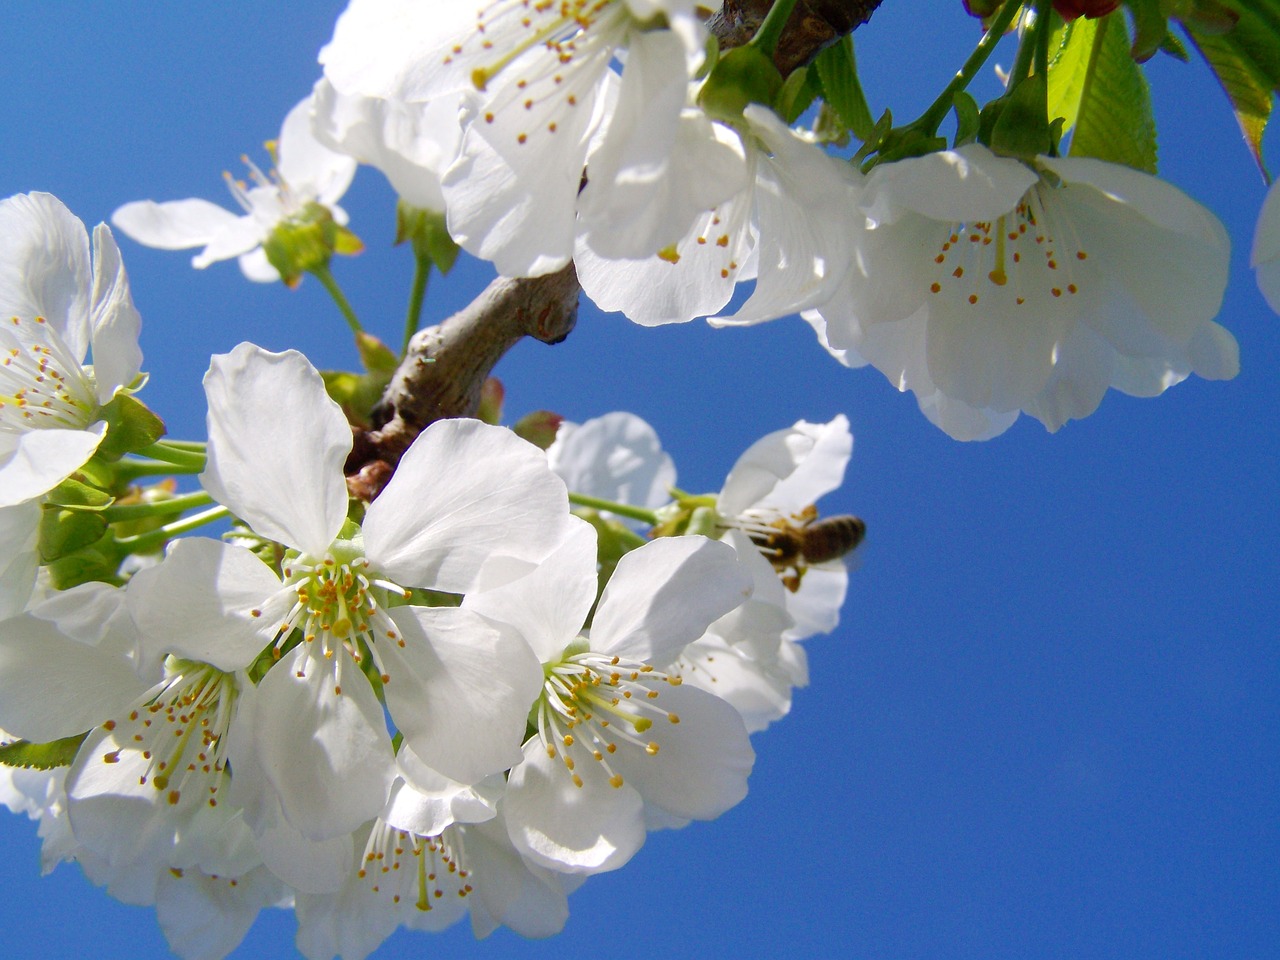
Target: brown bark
point(813, 26)
point(446, 366)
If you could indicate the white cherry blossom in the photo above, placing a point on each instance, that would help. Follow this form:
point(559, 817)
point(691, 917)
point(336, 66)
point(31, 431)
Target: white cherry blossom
point(989, 286)
point(615, 733)
point(615, 457)
point(457, 689)
point(787, 228)
point(306, 172)
point(57, 306)
point(539, 97)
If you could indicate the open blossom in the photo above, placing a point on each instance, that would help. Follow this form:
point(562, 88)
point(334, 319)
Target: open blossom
point(786, 228)
point(539, 99)
point(615, 733)
point(989, 286)
point(457, 689)
point(57, 306)
point(306, 172)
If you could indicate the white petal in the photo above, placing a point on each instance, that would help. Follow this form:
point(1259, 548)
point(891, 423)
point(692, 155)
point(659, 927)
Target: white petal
point(702, 763)
point(789, 469)
point(241, 235)
point(512, 892)
point(464, 491)
point(197, 603)
point(277, 445)
point(571, 829)
point(18, 559)
point(52, 686)
point(205, 918)
point(664, 595)
point(615, 457)
point(967, 184)
point(115, 321)
point(327, 754)
point(256, 267)
point(42, 459)
point(657, 166)
point(459, 690)
point(427, 801)
point(549, 606)
point(175, 224)
point(44, 266)
point(308, 167)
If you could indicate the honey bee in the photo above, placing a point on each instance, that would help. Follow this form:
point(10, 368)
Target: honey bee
point(793, 546)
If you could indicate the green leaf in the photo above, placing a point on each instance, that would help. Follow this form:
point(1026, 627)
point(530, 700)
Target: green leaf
point(1072, 46)
point(799, 90)
point(130, 427)
point(1114, 120)
point(838, 74)
point(41, 756)
point(1150, 26)
point(1245, 57)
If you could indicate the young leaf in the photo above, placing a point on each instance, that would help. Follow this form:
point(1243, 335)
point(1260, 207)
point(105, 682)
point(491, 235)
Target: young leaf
point(41, 756)
point(1069, 68)
point(1114, 120)
point(838, 73)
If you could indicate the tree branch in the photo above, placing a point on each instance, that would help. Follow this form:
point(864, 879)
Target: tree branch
point(813, 26)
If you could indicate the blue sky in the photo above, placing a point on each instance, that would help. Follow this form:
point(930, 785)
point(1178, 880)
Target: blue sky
point(1047, 726)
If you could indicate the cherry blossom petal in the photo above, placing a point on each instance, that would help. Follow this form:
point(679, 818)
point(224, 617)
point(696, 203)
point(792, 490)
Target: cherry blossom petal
point(459, 690)
point(44, 267)
point(327, 754)
point(651, 609)
point(117, 359)
point(571, 829)
point(550, 604)
point(281, 473)
point(177, 224)
point(197, 603)
point(789, 469)
point(37, 461)
point(701, 766)
point(462, 492)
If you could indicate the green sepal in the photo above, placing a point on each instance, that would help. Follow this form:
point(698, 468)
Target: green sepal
point(130, 426)
point(968, 118)
point(1017, 123)
point(1114, 121)
point(359, 393)
point(65, 530)
point(76, 495)
point(744, 75)
point(41, 756)
point(427, 231)
point(307, 242)
point(492, 393)
point(539, 428)
point(837, 70)
point(798, 92)
point(98, 562)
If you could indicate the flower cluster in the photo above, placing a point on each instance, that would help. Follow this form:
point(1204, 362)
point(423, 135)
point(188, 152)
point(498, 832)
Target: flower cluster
point(456, 670)
point(438, 704)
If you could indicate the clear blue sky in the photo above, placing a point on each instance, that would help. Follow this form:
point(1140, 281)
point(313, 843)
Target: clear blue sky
point(1048, 724)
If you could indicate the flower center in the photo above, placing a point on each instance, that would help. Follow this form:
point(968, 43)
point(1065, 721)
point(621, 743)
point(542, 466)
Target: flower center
point(41, 384)
point(334, 603)
point(591, 703)
point(791, 542)
point(179, 727)
point(424, 870)
point(1025, 255)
